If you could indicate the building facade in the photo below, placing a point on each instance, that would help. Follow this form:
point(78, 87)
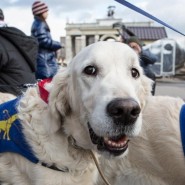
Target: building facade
point(79, 35)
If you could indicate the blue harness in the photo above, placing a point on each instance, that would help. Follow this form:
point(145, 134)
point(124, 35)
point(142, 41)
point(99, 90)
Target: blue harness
point(182, 126)
point(12, 138)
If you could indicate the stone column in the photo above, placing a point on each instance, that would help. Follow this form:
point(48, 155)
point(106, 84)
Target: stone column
point(83, 41)
point(96, 38)
point(68, 48)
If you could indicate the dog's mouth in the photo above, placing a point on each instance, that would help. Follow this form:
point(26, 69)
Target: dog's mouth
point(116, 145)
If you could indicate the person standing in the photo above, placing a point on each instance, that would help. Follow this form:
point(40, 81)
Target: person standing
point(18, 54)
point(46, 60)
point(146, 59)
point(2, 22)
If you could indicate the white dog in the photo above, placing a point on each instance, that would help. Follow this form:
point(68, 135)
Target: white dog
point(95, 104)
point(4, 97)
point(156, 156)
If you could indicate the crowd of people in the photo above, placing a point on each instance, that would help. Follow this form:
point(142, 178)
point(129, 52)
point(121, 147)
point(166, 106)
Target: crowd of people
point(27, 59)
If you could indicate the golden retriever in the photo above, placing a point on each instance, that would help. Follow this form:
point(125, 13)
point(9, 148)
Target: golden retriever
point(95, 104)
point(156, 156)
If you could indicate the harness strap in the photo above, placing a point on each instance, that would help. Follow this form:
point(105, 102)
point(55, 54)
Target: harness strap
point(19, 86)
point(182, 127)
point(53, 167)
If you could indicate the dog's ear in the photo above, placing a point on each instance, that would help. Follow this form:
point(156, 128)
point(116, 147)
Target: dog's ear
point(58, 95)
point(145, 89)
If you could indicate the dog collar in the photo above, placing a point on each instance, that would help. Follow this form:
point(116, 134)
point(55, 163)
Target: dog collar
point(12, 138)
point(43, 92)
point(182, 127)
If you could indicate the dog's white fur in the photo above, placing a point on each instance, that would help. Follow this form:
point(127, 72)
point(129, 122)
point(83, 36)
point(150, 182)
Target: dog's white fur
point(156, 155)
point(4, 97)
point(75, 99)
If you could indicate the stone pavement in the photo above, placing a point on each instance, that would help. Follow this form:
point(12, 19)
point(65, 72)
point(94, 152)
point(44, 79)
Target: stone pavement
point(172, 86)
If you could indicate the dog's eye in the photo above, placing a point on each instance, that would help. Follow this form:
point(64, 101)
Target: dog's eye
point(135, 73)
point(90, 70)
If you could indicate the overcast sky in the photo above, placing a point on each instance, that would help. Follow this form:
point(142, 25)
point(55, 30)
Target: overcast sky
point(18, 13)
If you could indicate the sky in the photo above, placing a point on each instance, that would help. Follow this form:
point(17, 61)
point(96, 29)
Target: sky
point(18, 13)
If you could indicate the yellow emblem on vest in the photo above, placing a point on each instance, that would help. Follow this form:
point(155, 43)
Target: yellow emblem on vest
point(5, 125)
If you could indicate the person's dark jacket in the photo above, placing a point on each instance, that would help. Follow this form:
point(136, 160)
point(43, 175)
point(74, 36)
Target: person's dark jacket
point(147, 59)
point(46, 61)
point(18, 54)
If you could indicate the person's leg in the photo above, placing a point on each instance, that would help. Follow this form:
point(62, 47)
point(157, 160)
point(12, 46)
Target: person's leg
point(153, 88)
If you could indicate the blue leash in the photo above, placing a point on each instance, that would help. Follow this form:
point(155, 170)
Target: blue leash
point(182, 126)
point(131, 6)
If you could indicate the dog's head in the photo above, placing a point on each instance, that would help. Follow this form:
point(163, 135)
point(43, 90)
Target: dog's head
point(99, 97)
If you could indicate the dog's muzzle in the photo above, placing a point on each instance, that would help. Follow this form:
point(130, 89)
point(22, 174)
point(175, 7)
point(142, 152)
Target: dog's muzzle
point(124, 113)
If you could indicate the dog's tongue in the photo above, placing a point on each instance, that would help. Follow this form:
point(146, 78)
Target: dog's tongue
point(122, 139)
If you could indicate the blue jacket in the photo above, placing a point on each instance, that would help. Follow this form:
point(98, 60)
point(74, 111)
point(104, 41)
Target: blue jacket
point(46, 60)
point(147, 59)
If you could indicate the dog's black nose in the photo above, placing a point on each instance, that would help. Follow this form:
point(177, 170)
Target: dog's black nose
point(123, 111)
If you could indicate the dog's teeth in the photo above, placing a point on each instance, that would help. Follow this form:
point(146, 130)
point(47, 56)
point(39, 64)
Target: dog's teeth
point(109, 142)
point(122, 144)
point(115, 144)
point(106, 139)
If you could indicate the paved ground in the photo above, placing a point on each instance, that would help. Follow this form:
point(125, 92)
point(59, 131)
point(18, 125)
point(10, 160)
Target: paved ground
point(171, 86)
